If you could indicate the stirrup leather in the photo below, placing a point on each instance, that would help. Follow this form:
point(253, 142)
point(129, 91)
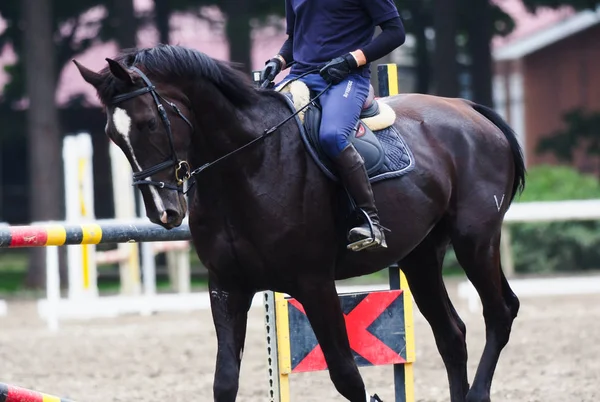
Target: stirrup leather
point(371, 241)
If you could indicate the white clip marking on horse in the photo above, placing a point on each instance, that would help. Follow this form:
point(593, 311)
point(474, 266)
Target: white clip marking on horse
point(122, 123)
point(499, 204)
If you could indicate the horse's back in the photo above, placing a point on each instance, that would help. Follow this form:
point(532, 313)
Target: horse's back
point(449, 127)
point(455, 146)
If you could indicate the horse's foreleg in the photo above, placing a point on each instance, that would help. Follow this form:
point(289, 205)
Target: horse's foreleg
point(322, 307)
point(229, 307)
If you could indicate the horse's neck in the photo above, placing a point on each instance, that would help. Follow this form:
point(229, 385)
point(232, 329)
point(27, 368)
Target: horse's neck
point(268, 160)
point(223, 129)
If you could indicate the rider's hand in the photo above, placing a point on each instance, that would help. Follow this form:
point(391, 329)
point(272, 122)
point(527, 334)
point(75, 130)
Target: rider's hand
point(272, 68)
point(338, 69)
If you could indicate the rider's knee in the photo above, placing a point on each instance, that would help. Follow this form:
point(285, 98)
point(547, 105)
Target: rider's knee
point(334, 138)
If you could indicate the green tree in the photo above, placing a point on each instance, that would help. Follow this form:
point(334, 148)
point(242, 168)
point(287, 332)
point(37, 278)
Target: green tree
point(580, 133)
point(533, 5)
point(557, 246)
point(122, 23)
point(480, 30)
point(44, 34)
point(67, 27)
point(417, 19)
point(241, 15)
point(42, 118)
point(442, 64)
point(480, 22)
point(162, 14)
point(445, 62)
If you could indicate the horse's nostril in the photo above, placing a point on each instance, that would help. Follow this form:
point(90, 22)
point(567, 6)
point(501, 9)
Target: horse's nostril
point(169, 216)
point(172, 216)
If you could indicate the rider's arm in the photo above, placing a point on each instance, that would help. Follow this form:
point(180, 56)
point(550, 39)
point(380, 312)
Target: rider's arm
point(286, 52)
point(391, 36)
point(385, 14)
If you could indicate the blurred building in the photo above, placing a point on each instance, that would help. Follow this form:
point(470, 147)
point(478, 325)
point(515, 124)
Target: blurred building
point(548, 66)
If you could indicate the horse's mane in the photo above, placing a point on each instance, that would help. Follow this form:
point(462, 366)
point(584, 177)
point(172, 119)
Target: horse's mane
point(168, 63)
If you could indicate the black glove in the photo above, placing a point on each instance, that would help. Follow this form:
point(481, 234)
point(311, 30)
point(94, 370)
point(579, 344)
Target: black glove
point(272, 68)
point(338, 69)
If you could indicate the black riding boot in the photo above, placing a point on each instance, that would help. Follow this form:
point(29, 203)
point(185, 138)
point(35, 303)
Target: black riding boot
point(354, 176)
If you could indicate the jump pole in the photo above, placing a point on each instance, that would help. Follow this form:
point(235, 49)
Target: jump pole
point(99, 232)
point(281, 329)
point(12, 393)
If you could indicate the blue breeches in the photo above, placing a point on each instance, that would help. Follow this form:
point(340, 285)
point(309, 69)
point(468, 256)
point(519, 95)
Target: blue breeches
point(341, 104)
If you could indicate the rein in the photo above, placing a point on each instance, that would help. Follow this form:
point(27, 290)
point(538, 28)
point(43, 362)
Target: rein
point(182, 170)
point(267, 132)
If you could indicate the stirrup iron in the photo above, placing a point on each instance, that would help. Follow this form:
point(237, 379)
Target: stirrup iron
point(368, 242)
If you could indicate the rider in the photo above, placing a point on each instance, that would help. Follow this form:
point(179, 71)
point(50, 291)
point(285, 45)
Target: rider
point(336, 37)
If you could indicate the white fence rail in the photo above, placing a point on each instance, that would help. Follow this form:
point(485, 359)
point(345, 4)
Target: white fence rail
point(551, 211)
point(547, 211)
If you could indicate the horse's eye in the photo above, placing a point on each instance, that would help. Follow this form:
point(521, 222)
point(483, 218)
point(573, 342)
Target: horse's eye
point(152, 124)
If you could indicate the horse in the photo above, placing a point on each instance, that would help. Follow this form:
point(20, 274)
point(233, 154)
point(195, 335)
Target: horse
point(263, 215)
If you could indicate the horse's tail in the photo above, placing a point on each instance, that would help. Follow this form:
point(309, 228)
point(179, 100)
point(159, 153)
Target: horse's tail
point(520, 171)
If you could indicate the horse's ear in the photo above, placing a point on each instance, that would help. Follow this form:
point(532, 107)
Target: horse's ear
point(119, 71)
point(91, 77)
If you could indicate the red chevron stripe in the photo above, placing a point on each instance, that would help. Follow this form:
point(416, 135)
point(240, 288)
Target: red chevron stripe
point(361, 341)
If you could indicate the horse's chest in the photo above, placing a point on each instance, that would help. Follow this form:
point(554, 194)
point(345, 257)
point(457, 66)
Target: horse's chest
point(226, 251)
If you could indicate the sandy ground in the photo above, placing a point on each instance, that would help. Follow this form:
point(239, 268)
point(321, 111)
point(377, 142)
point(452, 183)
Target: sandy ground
point(553, 355)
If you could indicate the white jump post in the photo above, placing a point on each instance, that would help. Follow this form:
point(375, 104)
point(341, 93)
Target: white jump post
point(79, 203)
point(3, 306)
point(124, 202)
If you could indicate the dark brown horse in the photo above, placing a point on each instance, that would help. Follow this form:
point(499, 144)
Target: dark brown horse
point(267, 217)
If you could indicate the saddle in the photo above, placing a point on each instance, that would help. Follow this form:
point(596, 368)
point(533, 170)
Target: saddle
point(375, 138)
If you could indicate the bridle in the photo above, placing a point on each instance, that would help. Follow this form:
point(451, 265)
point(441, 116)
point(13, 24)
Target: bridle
point(182, 170)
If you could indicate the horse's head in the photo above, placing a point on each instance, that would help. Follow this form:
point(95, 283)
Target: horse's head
point(151, 123)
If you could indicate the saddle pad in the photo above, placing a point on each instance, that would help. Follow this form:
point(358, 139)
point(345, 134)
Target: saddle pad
point(398, 156)
point(301, 96)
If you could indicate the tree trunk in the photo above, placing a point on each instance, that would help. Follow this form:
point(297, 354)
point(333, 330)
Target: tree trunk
point(480, 37)
point(422, 58)
point(445, 21)
point(238, 32)
point(124, 23)
point(162, 14)
point(43, 132)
